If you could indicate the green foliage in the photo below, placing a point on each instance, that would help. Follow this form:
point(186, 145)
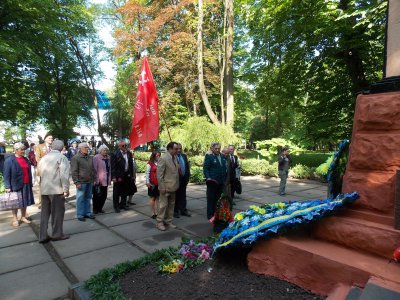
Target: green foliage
point(197, 160)
point(141, 166)
point(196, 175)
point(300, 171)
point(259, 154)
point(275, 145)
point(144, 156)
point(197, 133)
point(2, 188)
point(310, 159)
point(259, 167)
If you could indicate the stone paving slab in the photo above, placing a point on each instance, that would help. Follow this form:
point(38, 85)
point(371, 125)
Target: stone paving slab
point(137, 230)
point(170, 238)
point(41, 282)
point(87, 264)
point(194, 204)
point(113, 219)
point(87, 241)
point(10, 236)
point(22, 256)
point(75, 226)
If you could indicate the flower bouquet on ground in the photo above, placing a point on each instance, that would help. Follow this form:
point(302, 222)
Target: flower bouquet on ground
point(223, 214)
point(189, 255)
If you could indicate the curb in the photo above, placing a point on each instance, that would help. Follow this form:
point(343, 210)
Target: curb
point(78, 291)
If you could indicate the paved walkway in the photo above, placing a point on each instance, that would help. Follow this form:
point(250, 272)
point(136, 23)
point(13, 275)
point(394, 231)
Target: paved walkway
point(29, 270)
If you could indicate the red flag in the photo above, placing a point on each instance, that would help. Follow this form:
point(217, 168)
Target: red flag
point(145, 123)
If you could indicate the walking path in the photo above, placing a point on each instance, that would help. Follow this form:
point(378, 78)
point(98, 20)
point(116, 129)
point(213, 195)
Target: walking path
point(29, 270)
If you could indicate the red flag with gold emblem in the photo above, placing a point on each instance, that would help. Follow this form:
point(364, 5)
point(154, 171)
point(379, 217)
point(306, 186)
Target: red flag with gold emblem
point(145, 123)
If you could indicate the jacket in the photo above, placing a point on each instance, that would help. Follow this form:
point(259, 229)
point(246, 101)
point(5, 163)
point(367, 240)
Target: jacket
point(186, 177)
point(53, 170)
point(168, 173)
point(118, 165)
point(283, 165)
point(40, 151)
point(100, 170)
point(82, 168)
point(213, 169)
point(13, 175)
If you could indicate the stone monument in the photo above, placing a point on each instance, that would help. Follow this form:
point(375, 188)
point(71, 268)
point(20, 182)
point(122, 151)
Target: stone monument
point(353, 248)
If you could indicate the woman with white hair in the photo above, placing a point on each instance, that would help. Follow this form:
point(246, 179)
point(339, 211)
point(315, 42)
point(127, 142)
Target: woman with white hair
point(102, 175)
point(18, 178)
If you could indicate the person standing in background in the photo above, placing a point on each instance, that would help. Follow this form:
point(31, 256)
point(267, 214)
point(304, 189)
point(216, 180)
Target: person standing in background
point(168, 183)
point(53, 170)
point(132, 189)
point(83, 176)
point(73, 150)
point(184, 175)
point(102, 178)
point(2, 155)
point(284, 161)
point(32, 160)
point(40, 151)
point(152, 182)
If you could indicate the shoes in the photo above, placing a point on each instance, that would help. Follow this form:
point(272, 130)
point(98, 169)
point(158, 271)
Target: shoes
point(233, 203)
point(117, 210)
point(124, 207)
point(90, 217)
point(131, 203)
point(82, 219)
point(282, 194)
point(186, 214)
point(170, 226)
point(102, 212)
point(161, 227)
point(61, 238)
point(15, 224)
point(39, 207)
point(95, 212)
point(176, 214)
point(154, 216)
point(25, 220)
point(46, 240)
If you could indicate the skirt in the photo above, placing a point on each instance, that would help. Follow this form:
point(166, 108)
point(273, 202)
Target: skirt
point(153, 191)
point(26, 198)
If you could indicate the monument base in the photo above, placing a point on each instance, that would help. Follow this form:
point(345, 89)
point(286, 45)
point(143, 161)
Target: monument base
point(349, 249)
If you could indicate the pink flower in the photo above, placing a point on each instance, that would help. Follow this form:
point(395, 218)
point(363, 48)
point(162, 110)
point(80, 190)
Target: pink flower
point(204, 255)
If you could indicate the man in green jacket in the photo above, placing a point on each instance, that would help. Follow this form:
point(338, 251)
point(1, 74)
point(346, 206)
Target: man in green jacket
point(214, 169)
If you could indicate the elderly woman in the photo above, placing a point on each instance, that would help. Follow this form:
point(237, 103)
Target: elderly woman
point(152, 182)
point(18, 178)
point(102, 175)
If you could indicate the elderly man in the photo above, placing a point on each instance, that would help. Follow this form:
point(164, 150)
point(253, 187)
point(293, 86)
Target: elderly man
point(184, 175)
point(122, 175)
point(83, 177)
point(53, 170)
point(215, 171)
point(168, 184)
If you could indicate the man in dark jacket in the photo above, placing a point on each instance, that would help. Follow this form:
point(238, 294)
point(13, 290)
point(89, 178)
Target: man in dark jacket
point(184, 175)
point(83, 177)
point(233, 169)
point(215, 170)
point(122, 175)
point(284, 161)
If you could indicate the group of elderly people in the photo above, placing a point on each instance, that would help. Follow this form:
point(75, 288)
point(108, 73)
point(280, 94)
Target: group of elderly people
point(91, 176)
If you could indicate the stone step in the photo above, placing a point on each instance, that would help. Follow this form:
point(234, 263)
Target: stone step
point(375, 238)
point(376, 289)
point(368, 215)
point(318, 266)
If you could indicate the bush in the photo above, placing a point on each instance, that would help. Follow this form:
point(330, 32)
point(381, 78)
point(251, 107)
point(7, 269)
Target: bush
point(274, 144)
point(301, 172)
point(2, 188)
point(255, 167)
point(197, 134)
point(141, 166)
point(312, 160)
point(197, 160)
point(196, 175)
point(144, 156)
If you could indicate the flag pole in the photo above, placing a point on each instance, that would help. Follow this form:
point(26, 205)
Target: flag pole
point(165, 121)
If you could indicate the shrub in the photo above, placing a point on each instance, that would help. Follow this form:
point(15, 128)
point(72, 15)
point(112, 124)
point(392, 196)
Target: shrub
point(197, 160)
point(2, 188)
point(141, 166)
point(196, 175)
point(272, 145)
point(197, 134)
point(144, 156)
point(313, 159)
point(301, 172)
point(255, 167)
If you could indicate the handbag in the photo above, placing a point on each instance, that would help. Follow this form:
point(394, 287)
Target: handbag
point(238, 187)
point(10, 200)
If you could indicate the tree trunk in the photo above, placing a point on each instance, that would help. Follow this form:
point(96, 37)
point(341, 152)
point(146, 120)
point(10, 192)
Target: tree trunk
point(202, 88)
point(229, 63)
